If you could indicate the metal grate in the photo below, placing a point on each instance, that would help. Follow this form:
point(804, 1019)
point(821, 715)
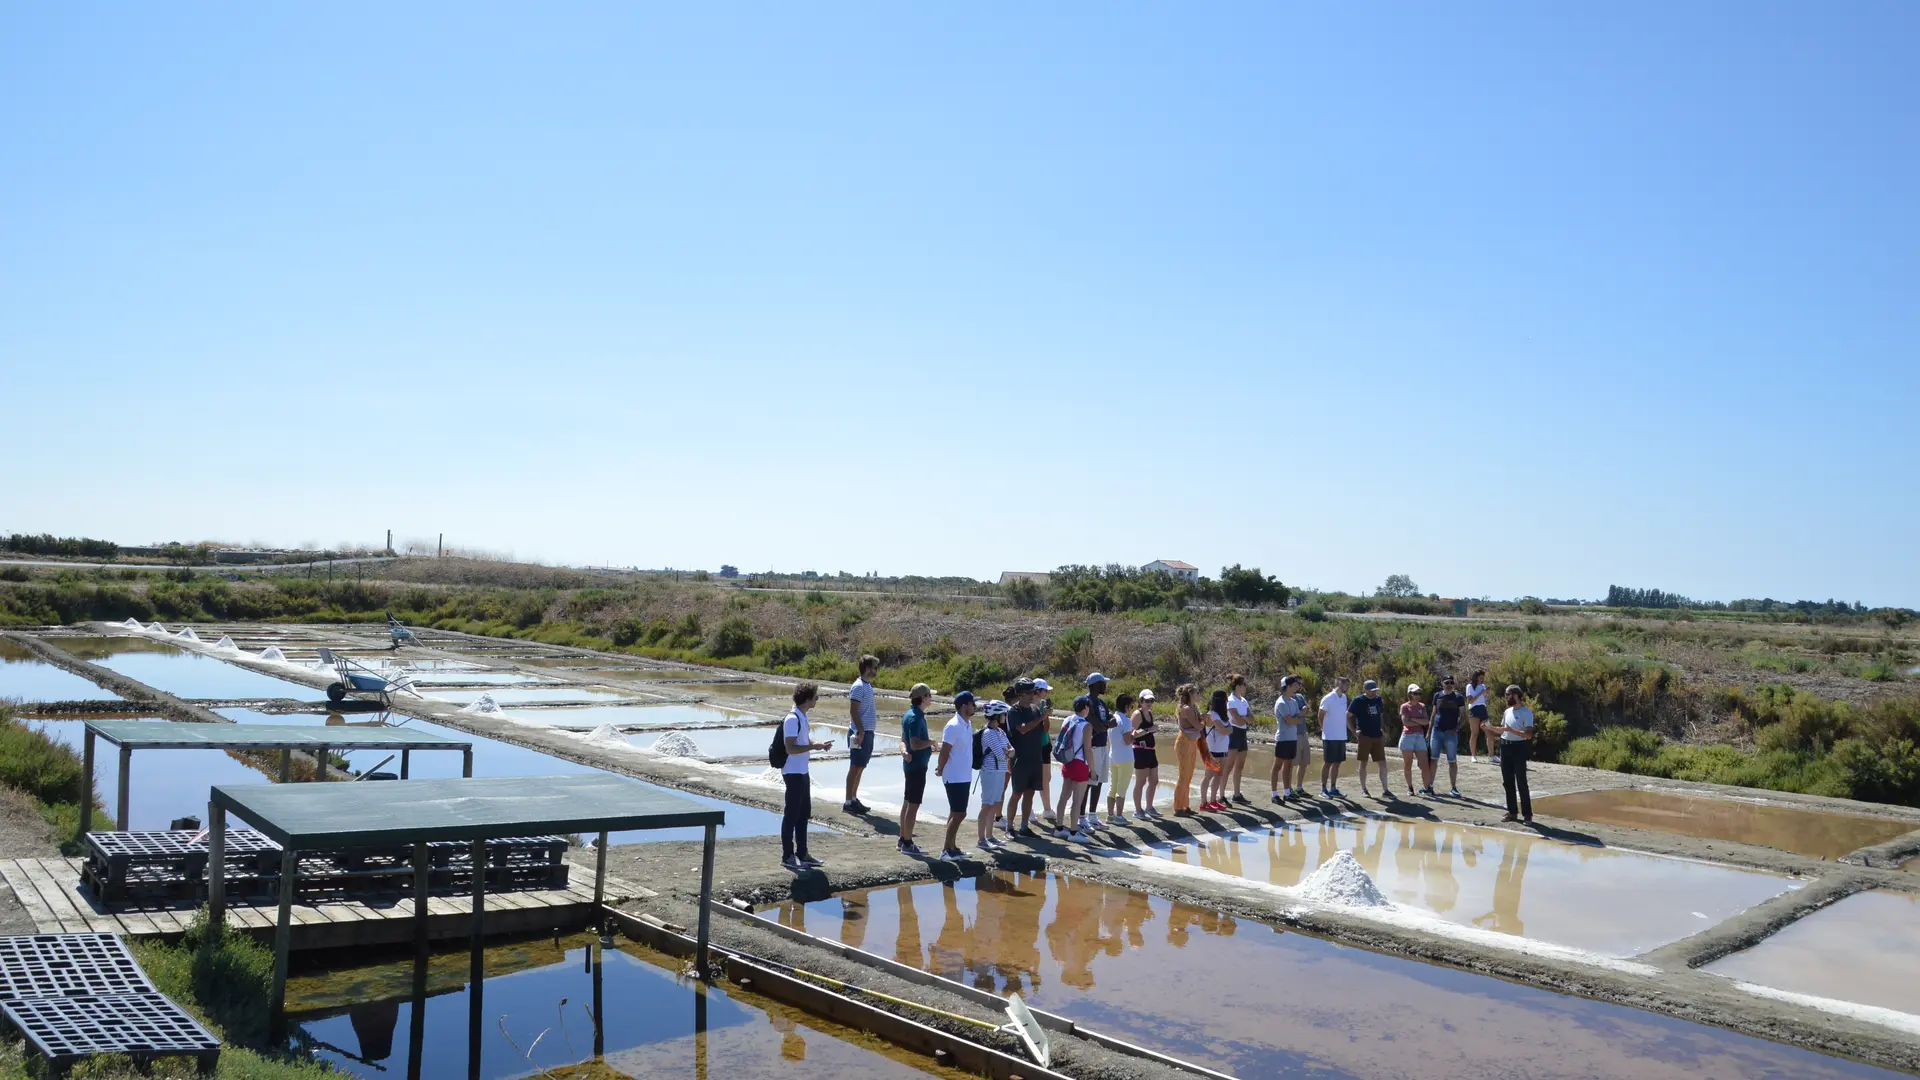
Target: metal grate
point(55, 965)
point(172, 843)
point(141, 1026)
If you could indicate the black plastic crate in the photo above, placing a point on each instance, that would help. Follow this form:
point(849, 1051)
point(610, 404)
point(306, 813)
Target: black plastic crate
point(142, 1026)
point(55, 965)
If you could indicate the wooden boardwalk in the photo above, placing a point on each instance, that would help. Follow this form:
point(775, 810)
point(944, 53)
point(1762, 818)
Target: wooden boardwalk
point(50, 891)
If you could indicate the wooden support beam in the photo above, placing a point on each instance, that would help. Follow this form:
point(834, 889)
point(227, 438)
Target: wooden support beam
point(706, 897)
point(283, 937)
point(126, 774)
point(286, 766)
point(216, 863)
point(86, 789)
point(476, 962)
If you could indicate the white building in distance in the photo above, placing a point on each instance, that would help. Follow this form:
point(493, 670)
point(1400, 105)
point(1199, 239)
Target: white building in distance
point(1184, 571)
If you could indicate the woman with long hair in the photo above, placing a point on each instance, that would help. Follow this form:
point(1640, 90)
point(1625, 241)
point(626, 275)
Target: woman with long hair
point(1477, 720)
point(1120, 761)
point(1187, 749)
point(1239, 715)
point(1146, 760)
point(1219, 737)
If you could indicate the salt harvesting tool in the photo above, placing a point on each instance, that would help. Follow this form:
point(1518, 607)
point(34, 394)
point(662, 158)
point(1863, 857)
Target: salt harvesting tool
point(1021, 1022)
point(400, 634)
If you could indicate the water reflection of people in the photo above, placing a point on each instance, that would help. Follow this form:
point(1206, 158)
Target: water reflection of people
point(1016, 913)
point(793, 1045)
point(853, 922)
point(948, 956)
point(373, 1026)
point(1505, 916)
point(906, 947)
point(1073, 937)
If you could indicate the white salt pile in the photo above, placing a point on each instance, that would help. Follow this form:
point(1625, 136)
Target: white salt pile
point(676, 744)
point(608, 736)
point(272, 652)
point(768, 775)
point(486, 704)
point(226, 643)
point(156, 628)
point(187, 634)
point(1342, 880)
point(132, 624)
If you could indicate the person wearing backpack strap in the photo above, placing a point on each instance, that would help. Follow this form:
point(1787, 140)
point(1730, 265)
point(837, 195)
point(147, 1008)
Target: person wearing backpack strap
point(956, 771)
point(993, 757)
point(799, 745)
point(1070, 750)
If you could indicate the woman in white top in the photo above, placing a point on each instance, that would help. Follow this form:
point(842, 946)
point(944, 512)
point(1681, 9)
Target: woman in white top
point(1239, 713)
point(1477, 714)
point(1213, 786)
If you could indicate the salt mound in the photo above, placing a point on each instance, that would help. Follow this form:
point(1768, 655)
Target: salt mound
point(156, 628)
point(676, 744)
point(486, 704)
point(272, 652)
point(187, 634)
point(226, 643)
point(607, 735)
point(1342, 880)
point(769, 775)
point(133, 624)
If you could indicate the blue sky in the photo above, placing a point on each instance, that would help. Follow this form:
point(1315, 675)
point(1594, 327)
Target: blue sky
point(1513, 298)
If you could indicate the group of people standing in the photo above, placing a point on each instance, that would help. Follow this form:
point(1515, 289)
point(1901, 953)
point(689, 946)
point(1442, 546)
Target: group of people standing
point(1113, 747)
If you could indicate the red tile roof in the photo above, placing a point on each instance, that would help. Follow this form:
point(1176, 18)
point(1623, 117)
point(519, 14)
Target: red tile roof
point(1177, 564)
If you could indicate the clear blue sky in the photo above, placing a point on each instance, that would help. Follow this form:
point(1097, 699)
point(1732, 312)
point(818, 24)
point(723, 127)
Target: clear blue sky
point(1513, 298)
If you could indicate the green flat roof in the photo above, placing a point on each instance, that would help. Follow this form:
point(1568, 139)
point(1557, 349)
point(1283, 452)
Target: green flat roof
point(143, 735)
point(393, 813)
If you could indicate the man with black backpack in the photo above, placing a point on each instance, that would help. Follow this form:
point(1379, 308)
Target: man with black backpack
point(792, 745)
point(956, 771)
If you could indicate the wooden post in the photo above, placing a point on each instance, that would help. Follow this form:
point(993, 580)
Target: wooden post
point(600, 875)
point(706, 897)
point(283, 936)
point(216, 862)
point(422, 881)
point(466, 762)
point(86, 789)
point(320, 764)
point(126, 770)
point(476, 964)
point(286, 766)
point(599, 1002)
point(405, 756)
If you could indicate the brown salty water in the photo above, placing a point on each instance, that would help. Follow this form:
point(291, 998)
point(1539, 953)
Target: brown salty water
point(1814, 833)
point(1605, 900)
point(1258, 1002)
point(1864, 949)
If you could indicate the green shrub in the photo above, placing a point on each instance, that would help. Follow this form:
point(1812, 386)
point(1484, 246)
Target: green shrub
point(973, 671)
point(734, 637)
point(1312, 611)
point(890, 650)
point(779, 652)
point(1064, 657)
point(35, 764)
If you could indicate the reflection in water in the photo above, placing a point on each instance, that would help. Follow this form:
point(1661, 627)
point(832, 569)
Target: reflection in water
point(1863, 949)
point(585, 1011)
point(1248, 999)
point(192, 675)
point(26, 677)
point(1812, 833)
point(1610, 901)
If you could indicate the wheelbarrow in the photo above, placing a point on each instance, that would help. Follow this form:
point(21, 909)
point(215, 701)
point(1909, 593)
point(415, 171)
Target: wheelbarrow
point(401, 635)
point(358, 679)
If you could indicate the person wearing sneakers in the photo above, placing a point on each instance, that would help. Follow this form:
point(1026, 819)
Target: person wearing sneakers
point(1146, 759)
point(1477, 715)
point(1070, 747)
point(996, 758)
point(1368, 713)
point(1120, 767)
point(1516, 742)
point(956, 770)
point(1289, 714)
point(861, 720)
point(1213, 786)
point(1100, 724)
point(1413, 741)
point(1027, 729)
point(799, 802)
point(1333, 738)
point(1043, 701)
point(916, 753)
point(1239, 716)
point(1448, 704)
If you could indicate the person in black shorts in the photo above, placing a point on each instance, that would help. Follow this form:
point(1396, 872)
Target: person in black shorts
point(1026, 726)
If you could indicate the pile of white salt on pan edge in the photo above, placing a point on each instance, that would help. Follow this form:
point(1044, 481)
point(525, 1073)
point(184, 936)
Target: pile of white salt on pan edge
point(1342, 880)
point(608, 736)
point(676, 744)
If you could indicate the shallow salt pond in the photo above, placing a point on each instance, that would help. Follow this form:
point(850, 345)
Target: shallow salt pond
point(26, 677)
point(1604, 900)
point(166, 784)
point(1814, 833)
point(194, 675)
point(1864, 949)
point(538, 1013)
point(722, 742)
point(1260, 1003)
point(650, 716)
point(530, 695)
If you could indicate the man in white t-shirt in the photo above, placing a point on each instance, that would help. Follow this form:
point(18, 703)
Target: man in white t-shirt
point(861, 721)
point(1333, 738)
point(956, 770)
point(798, 808)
